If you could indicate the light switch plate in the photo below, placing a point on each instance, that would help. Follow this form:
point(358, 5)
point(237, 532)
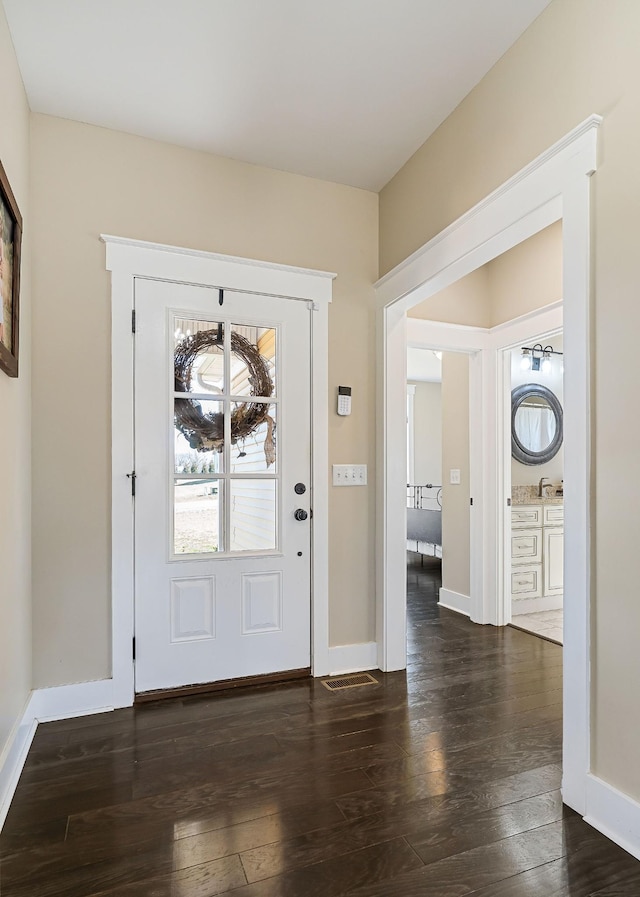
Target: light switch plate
point(454, 476)
point(349, 474)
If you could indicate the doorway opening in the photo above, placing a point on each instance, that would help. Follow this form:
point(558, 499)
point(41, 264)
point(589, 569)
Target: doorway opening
point(424, 463)
point(554, 187)
point(534, 568)
point(438, 481)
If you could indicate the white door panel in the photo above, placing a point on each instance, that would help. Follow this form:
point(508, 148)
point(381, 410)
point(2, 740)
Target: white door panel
point(222, 566)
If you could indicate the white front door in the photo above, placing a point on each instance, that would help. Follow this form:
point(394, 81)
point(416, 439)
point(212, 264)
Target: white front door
point(222, 489)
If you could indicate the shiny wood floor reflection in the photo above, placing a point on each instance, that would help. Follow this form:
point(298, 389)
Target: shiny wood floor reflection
point(442, 781)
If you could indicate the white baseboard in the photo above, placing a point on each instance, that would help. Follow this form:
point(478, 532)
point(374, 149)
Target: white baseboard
point(535, 605)
point(353, 658)
point(461, 604)
point(79, 699)
point(14, 755)
point(44, 705)
point(614, 814)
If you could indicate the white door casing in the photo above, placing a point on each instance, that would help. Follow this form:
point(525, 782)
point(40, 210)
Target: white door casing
point(554, 186)
point(222, 572)
point(126, 260)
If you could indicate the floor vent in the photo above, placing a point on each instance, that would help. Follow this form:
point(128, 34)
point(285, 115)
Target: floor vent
point(341, 682)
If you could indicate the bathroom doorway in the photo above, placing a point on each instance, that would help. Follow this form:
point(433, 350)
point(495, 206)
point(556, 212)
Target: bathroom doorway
point(534, 574)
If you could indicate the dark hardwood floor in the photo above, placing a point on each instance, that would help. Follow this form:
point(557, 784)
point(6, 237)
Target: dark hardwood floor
point(441, 781)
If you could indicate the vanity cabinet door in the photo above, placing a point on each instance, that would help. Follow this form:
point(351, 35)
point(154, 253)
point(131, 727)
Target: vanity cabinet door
point(526, 582)
point(553, 515)
point(526, 515)
point(553, 560)
point(526, 546)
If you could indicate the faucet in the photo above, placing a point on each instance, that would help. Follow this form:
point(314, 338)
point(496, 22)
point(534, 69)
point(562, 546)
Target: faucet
point(541, 486)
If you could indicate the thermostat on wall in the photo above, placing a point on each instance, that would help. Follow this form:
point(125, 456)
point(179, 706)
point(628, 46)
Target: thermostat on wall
point(344, 400)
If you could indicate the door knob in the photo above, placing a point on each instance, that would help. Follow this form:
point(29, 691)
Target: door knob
point(299, 514)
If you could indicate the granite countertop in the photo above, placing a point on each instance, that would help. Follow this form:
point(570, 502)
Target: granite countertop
point(528, 495)
point(536, 500)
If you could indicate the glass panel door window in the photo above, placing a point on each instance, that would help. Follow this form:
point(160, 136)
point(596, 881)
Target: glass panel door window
point(225, 471)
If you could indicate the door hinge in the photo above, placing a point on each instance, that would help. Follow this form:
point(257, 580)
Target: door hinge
point(133, 320)
point(133, 647)
point(471, 502)
point(132, 476)
point(508, 502)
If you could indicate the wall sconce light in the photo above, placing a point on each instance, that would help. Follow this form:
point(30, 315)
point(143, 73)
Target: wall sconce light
point(537, 358)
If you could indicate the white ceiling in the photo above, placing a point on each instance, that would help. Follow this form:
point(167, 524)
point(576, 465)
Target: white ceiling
point(344, 90)
point(423, 365)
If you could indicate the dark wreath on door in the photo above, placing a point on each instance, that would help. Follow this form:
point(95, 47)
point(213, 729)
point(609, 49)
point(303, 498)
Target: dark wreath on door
point(205, 431)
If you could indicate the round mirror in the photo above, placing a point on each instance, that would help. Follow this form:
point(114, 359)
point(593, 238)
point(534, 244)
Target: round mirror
point(536, 424)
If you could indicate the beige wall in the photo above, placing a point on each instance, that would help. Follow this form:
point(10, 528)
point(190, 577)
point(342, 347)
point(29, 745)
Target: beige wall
point(427, 433)
point(467, 301)
point(15, 412)
point(455, 454)
point(527, 277)
point(88, 180)
point(577, 58)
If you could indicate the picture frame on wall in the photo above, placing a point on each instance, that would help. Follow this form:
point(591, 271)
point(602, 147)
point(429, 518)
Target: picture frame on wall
point(10, 246)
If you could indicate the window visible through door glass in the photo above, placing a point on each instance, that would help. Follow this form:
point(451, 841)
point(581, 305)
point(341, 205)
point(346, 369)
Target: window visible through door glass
point(253, 515)
point(255, 453)
point(198, 356)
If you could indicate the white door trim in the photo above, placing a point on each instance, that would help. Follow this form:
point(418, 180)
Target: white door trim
point(411, 447)
point(127, 259)
point(555, 185)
